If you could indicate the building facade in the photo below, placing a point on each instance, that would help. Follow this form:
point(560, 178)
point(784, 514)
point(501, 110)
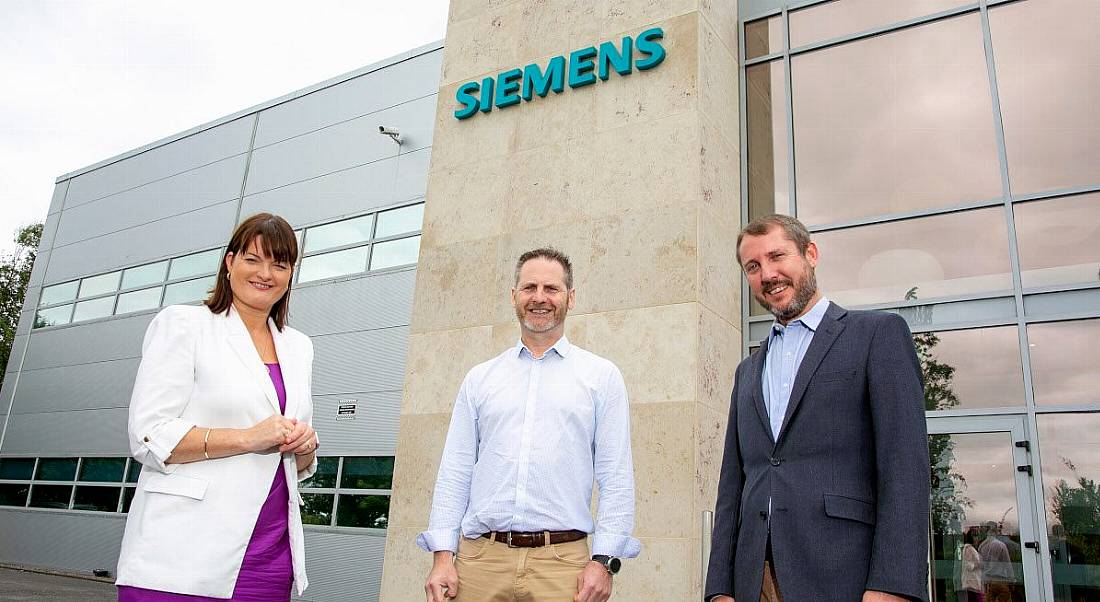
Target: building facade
point(942, 152)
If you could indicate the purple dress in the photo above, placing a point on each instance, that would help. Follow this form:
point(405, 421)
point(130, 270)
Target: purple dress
point(267, 572)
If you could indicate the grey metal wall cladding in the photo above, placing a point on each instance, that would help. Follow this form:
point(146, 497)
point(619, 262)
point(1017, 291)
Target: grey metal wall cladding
point(1065, 303)
point(330, 196)
point(6, 392)
point(58, 198)
point(81, 387)
point(394, 84)
point(62, 540)
point(38, 272)
point(343, 567)
point(26, 317)
point(87, 343)
point(372, 360)
point(68, 433)
point(201, 187)
point(17, 345)
point(412, 175)
point(208, 227)
point(373, 432)
point(49, 231)
point(182, 155)
point(366, 303)
point(342, 146)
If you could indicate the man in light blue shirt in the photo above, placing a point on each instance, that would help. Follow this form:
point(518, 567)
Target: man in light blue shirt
point(530, 430)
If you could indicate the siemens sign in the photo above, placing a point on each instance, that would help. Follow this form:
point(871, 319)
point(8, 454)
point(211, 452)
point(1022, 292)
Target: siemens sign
point(582, 69)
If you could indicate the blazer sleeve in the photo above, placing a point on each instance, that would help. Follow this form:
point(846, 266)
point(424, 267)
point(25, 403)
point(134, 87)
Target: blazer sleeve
point(307, 406)
point(727, 509)
point(900, 547)
point(165, 380)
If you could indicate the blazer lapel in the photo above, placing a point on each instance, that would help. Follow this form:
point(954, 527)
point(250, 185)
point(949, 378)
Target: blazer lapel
point(288, 362)
point(827, 332)
point(757, 385)
point(242, 345)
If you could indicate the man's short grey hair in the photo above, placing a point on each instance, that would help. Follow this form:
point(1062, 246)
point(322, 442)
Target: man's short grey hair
point(792, 228)
point(551, 254)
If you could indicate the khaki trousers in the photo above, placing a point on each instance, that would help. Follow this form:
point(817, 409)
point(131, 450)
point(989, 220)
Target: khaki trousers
point(490, 571)
point(769, 589)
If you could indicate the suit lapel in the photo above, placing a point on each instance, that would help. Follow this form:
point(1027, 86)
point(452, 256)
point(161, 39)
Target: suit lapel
point(288, 362)
point(758, 386)
point(827, 332)
point(242, 345)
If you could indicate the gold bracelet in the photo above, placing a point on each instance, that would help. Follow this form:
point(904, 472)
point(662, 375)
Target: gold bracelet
point(205, 441)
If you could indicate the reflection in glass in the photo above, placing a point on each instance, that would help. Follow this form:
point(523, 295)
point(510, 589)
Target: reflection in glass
point(148, 298)
point(98, 285)
point(974, 503)
point(195, 264)
point(393, 253)
point(53, 316)
point(363, 511)
point(978, 368)
point(1049, 85)
point(317, 508)
point(763, 37)
point(95, 308)
point(1064, 370)
point(133, 472)
point(1071, 472)
point(331, 265)
point(188, 291)
point(102, 469)
point(56, 469)
point(100, 499)
point(325, 475)
point(1057, 240)
point(766, 129)
point(400, 221)
point(142, 275)
point(835, 19)
point(338, 234)
point(16, 468)
point(894, 123)
point(14, 494)
point(367, 473)
point(939, 256)
point(127, 498)
point(59, 293)
point(51, 496)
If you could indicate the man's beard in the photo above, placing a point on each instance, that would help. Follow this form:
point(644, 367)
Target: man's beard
point(804, 291)
point(552, 320)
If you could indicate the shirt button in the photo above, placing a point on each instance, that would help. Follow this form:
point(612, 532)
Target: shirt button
point(776, 461)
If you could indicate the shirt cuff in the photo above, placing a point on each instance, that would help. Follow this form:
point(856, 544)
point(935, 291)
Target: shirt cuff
point(308, 471)
point(162, 441)
point(619, 546)
point(438, 540)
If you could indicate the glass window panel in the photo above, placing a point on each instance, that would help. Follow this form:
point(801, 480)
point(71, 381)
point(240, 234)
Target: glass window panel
point(94, 308)
point(1057, 240)
point(367, 473)
point(763, 37)
point(98, 285)
point(325, 475)
point(56, 469)
point(1064, 370)
point(338, 234)
point(133, 472)
point(142, 275)
point(393, 253)
point(766, 128)
point(1070, 445)
point(59, 293)
point(937, 256)
point(128, 498)
point(317, 508)
point(400, 221)
point(894, 123)
point(193, 265)
point(331, 265)
point(16, 468)
point(978, 368)
point(1049, 85)
point(148, 298)
point(843, 17)
point(14, 494)
point(102, 469)
point(188, 291)
point(51, 496)
point(102, 499)
point(53, 316)
point(363, 511)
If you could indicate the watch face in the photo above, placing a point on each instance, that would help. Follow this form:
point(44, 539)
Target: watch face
point(615, 565)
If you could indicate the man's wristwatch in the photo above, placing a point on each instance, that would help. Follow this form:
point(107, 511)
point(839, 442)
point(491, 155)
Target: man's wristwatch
point(610, 563)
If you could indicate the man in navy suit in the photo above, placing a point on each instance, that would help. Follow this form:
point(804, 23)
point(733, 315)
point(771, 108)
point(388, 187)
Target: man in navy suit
point(824, 490)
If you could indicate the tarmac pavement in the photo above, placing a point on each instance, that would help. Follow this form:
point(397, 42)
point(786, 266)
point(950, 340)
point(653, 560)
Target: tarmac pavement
point(20, 586)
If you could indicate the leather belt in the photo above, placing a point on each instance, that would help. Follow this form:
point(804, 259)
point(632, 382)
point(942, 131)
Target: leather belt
point(534, 539)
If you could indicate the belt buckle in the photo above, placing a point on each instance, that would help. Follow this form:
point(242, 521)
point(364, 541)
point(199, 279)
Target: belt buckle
point(509, 540)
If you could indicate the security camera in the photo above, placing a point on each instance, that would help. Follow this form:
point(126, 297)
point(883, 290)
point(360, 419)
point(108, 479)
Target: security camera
point(393, 133)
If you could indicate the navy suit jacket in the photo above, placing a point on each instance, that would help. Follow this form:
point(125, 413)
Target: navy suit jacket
point(848, 478)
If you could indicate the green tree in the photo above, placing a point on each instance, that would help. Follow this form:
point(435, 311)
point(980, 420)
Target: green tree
point(1077, 508)
point(15, 273)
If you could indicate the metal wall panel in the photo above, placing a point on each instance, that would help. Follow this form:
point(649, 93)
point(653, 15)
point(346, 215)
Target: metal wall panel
point(374, 91)
point(208, 227)
point(17, 345)
point(41, 260)
point(87, 343)
point(81, 387)
point(412, 175)
point(182, 155)
point(366, 303)
point(342, 146)
point(26, 317)
point(58, 199)
point(372, 360)
point(49, 231)
point(343, 567)
point(195, 189)
point(373, 432)
point(6, 391)
point(62, 540)
point(74, 433)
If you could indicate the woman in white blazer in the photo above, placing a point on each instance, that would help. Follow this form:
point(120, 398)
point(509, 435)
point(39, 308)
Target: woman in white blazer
point(220, 419)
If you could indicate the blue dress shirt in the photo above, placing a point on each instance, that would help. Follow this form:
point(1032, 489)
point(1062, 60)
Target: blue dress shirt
point(527, 436)
point(787, 346)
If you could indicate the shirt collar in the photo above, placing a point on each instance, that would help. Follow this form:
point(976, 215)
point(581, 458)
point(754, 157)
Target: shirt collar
point(811, 319)
point(561, 347)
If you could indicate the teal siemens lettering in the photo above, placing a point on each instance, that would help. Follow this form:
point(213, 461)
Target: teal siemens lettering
point(582, 68)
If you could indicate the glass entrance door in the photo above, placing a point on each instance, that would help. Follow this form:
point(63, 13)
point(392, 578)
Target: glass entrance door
point(984, 541)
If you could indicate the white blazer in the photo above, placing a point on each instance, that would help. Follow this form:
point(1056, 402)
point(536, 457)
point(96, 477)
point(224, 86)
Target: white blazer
point(189, 524)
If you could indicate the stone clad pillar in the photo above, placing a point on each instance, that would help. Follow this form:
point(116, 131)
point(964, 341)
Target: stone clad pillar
point(637, 179)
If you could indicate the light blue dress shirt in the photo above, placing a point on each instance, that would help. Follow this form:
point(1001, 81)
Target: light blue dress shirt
point(787, 347)
point(526, 438)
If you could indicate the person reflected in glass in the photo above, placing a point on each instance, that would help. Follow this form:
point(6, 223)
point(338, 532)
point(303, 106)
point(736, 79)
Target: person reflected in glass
point(997, 565)
point(970, 579)
point(220, 419)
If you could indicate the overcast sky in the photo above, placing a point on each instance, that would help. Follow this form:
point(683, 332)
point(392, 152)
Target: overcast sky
point(84, 80)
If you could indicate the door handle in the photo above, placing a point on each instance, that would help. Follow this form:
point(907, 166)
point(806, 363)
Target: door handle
point(1034, 545)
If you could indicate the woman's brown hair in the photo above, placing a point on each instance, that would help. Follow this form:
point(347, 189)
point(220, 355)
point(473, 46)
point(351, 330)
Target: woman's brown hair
point(279, 243)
